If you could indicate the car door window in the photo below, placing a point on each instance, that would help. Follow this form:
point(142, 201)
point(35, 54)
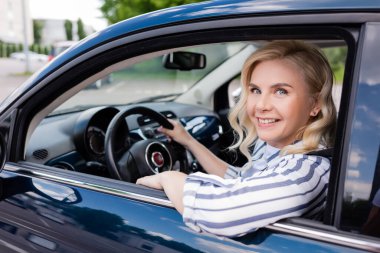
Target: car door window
point(361, 197)
point(149, 81)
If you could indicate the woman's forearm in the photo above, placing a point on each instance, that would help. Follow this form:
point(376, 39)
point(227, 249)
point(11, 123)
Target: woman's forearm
point(173, 182)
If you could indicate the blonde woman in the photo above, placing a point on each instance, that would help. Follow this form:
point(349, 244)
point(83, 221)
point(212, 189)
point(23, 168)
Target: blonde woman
point(284, 112)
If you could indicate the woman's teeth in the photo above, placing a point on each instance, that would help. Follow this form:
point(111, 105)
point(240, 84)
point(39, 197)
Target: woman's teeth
point(266, 121)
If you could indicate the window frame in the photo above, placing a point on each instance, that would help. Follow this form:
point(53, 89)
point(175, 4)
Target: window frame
point(366, 44)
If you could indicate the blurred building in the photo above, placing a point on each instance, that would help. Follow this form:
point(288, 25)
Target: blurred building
point(12, 28)
point(11, 21)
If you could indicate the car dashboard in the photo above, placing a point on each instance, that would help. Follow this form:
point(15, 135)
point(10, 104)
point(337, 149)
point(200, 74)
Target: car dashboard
point(76, 141)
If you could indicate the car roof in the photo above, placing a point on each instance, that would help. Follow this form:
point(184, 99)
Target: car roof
point(207, 10)
point(220, 8)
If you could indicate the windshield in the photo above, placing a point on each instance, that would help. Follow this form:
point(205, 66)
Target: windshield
point(149, 80)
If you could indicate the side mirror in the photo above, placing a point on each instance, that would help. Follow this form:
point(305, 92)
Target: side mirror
point(184, 61)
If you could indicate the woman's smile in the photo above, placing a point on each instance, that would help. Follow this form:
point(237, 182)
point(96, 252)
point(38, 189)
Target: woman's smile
point(266, 122)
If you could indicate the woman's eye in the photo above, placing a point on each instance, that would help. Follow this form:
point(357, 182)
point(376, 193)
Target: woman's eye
point(281, 92)
point(255, 90)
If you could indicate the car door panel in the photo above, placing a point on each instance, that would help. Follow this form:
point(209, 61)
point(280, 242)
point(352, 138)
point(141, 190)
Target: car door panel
point(50, 219)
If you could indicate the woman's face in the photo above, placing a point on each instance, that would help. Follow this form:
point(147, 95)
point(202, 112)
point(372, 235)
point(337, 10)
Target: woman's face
point(279, 102)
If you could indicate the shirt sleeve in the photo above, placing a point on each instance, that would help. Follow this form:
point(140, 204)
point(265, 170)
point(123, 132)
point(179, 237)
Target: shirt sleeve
point(234, 206)
point(231, 172)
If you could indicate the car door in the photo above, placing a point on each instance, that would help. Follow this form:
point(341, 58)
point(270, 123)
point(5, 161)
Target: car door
point(357, 186)
point(47, 209)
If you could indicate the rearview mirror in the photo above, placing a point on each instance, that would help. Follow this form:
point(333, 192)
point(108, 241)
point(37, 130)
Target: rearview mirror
point(184, 61)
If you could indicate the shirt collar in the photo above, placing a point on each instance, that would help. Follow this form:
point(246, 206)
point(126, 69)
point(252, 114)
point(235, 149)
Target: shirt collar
point(270, 152)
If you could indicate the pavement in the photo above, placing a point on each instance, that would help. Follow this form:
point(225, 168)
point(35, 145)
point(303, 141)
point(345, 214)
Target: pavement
point(12, 74)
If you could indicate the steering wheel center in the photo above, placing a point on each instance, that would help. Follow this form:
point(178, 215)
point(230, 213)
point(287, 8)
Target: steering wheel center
point(158, 157)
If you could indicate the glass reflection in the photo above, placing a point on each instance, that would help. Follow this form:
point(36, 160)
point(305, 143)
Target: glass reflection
point(363, 170)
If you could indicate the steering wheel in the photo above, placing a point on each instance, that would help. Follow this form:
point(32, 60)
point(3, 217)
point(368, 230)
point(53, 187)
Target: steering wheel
point(129, 162)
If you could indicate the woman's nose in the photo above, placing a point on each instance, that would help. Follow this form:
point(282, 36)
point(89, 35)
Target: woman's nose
point(263, 103)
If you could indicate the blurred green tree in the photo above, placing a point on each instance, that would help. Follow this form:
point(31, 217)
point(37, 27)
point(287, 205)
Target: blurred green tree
point(69, 29)
point(81, 32)
point(337, 59)
point(11, 48)
point(38, 25)
point(117, 10)
point(2, 49)
point(20, 47)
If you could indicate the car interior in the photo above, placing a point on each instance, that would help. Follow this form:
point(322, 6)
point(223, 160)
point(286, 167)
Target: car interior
point(111, 131)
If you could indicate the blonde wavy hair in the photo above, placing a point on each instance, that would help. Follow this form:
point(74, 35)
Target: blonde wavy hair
point(317, 74)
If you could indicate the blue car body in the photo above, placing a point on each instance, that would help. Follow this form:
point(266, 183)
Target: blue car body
point(64, 211)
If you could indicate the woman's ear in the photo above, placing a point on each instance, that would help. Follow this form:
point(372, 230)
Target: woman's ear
point(316, 107)
point(314, 112)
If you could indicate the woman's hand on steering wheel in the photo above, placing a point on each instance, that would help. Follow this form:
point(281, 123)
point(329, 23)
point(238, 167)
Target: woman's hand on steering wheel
point(178, 133)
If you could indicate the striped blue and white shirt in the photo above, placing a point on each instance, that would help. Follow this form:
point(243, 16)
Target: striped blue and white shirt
point(270, 188)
